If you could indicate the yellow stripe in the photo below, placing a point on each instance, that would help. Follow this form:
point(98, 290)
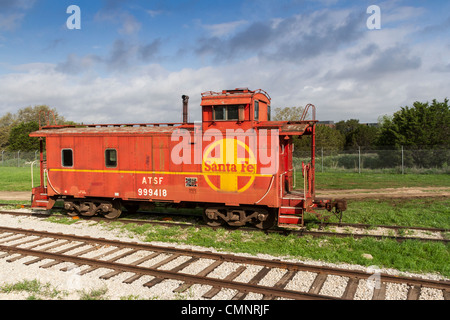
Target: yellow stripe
point(162, 172)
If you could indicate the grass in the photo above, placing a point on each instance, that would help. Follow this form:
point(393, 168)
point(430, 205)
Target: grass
point(411, 255)
point(423, 212)
point(17, 179)
point(34, 288)
point(45, 291)
point(346, 181)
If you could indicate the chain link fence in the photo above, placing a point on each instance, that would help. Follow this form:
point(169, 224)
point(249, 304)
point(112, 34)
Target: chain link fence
point(18, 158)
point(402, 160)
point(384, 160)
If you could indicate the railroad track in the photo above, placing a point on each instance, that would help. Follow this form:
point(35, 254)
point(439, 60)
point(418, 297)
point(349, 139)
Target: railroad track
point(17, 244)
point(440, 233)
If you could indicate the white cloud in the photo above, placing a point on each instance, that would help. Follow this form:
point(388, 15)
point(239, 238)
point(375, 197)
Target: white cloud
point(326, 58)
point(223, 29)
point(152, 93)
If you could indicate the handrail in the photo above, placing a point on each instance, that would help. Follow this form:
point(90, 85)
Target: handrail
point(305, 112)
point(46, 117)
point(32, 178)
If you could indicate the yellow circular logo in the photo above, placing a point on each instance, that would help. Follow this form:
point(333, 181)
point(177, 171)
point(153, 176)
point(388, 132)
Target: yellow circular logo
point(229, 165)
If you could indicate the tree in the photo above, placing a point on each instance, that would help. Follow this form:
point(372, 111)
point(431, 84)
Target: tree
point(288, 114)
point(38, 114)
point(357, 134)
point(423, 127)
point(42, 114)
point(326, 137)
point(19, 139)
point(6, 123)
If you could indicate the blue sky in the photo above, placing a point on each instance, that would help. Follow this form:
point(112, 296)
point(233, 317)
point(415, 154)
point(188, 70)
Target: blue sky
point(132, 60)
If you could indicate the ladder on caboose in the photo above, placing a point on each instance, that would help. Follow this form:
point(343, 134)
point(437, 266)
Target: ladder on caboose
point(39, 195)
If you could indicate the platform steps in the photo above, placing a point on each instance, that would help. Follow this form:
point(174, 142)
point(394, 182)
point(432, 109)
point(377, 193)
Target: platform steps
point(39, 198)
point(291, 210)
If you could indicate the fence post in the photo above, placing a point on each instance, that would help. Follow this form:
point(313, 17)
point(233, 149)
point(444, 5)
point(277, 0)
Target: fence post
point(18, 158)
point(322, 159)
point(403, 168)
point(359, 159)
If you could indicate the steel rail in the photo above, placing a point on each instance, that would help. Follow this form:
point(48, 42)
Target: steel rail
point(300, 233)
point(292, 266)
point(163, 274)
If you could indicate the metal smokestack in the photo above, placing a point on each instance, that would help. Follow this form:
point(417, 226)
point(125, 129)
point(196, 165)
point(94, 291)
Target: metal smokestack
point(185, 108)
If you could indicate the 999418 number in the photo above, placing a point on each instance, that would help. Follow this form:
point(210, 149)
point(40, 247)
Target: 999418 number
point(152, 192)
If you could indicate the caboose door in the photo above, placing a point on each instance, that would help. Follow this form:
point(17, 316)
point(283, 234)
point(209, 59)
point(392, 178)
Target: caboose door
point(286, 165)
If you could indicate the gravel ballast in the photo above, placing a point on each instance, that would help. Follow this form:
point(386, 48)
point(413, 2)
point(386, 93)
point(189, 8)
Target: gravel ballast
point(69, 285)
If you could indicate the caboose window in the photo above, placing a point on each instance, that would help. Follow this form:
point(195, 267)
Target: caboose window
point(233, 113)
point(111, 158)
point(226, 112)
point(219, 113)
point(67, 158)
point(268, 113)
point(256, 110)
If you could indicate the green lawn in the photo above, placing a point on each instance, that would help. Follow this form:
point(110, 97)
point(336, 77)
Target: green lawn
point(423, 212)
point(17, 179)
point(411, 255)
point(346, 181)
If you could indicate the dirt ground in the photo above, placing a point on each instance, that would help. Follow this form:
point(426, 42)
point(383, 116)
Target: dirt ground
point(353, 194)
point(416, 192)
point(15, 195)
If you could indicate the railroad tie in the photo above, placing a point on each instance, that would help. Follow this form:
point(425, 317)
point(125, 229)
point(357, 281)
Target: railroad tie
point(255, 280)
point(414, 292)
point(281, 283)
point(92, 268)
point(55, 262)
point(350, 290)
point(114, 259)
point(380, 293)
point(214, 290)
point(46, 249)
point(183, 287)
point(29, 248)
point(13, 239)
point(318, 283)
point(138, 262)
point(155, 281)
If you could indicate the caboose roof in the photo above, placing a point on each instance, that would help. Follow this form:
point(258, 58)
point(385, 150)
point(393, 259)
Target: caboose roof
point(108, 130)
point(230, 97)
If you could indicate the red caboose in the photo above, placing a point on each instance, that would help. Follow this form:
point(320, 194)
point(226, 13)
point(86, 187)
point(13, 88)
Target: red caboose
point(236, 164)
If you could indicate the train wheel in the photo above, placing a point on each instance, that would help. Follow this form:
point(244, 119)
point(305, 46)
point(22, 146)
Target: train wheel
point(115, 211)
point(90, 209)
point(211, 219)
point(70, 209)
point(265, 219)
point(72, 213)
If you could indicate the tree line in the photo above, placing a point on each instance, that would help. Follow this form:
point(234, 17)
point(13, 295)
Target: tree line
point(422, 130)
point(424, 126)
point(15, 128)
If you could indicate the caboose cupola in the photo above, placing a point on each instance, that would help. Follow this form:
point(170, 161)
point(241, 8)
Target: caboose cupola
point(238, 106)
